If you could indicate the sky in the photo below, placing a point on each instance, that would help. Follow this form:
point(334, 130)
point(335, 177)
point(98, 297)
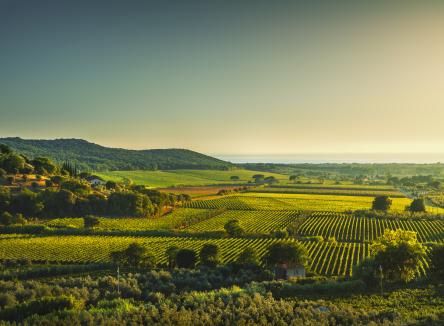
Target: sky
point(264, 77)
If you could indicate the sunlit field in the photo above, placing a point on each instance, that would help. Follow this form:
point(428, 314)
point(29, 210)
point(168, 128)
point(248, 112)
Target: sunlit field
point(310, 202)
point(185, 177)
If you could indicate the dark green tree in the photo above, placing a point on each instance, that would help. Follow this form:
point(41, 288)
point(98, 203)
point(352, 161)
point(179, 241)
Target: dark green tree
point(258, 178)
point(27, 203)
point(381, 203)
point(129, 204)
point(417, 205)
point(186, 258)
point(44, 166)
point(12, 163)
point(171, 255)
point(5, 198)
point(134, 256)
point(233, 228)
point(437, 262)
point(5, 149)
point(111, 185)
point(90, 221)
point(209, 255)
point(286, 253)
point(248, 257)
point(6, 218)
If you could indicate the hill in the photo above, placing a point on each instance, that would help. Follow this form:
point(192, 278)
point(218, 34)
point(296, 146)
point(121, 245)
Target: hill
point(90, 156)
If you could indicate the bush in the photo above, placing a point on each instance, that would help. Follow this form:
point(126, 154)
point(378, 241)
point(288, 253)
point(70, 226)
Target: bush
point(6, 218)
point(90, 221)
point(209, 255)
point(186, 258)
point(437, 262)
point(233, 228)
point(40, 306)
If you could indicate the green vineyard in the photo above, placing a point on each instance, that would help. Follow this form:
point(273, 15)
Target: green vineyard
point(250, 221)
point(166, 222)
point(345, 227)
point(329, 191)
point(326, 258)
point(310, 202)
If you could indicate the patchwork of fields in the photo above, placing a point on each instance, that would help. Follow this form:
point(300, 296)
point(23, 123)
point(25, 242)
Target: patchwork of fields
point(316, 211)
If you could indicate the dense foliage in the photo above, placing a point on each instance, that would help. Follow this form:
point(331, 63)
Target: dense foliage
point(89, 156)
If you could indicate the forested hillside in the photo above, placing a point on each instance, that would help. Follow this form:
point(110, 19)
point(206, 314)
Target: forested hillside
point(90, 156)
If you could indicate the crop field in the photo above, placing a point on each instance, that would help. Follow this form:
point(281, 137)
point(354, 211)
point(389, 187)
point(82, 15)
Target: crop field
point(326, 258)
point(197, 191)
point(346, 227)
point(329, 191)
point(166, 222)
point(310, 202)
point(342, 186)
point(250, 221)
point(173, 178)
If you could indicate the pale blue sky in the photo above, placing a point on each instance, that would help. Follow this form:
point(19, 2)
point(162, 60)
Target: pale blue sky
point(224, 78)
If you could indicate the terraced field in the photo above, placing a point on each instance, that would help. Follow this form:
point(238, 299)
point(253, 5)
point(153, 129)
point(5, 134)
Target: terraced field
point(326, 258)
point(346, 227)
point(310, 202)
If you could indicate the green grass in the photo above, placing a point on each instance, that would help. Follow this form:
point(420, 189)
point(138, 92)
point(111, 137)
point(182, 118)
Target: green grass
point(172, 178)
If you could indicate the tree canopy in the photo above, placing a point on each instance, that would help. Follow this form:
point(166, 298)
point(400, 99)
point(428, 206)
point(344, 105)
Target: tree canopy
point(399, 254)
point(381, 203)
point(290, 253)
point(233, 228)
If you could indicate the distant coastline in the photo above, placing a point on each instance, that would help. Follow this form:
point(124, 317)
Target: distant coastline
point(419, 158)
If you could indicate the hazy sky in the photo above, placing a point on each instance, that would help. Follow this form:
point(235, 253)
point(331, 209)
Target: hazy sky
point(257, 78)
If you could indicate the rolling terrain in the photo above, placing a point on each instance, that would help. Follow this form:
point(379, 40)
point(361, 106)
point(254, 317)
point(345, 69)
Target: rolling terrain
point(89, 156)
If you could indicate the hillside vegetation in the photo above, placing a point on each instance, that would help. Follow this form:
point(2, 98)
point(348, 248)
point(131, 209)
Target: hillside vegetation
point(89, 156)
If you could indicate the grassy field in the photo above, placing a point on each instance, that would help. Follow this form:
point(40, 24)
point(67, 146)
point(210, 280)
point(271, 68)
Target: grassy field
point(173, 178)
point(197, 191)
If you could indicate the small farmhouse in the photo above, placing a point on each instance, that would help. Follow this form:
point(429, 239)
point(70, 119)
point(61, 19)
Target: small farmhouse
point(287, 271)
point(95, 180)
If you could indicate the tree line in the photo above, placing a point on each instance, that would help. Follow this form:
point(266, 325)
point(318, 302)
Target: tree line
point(68, 193)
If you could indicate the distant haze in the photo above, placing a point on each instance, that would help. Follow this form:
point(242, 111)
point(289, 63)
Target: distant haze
point(336, 158)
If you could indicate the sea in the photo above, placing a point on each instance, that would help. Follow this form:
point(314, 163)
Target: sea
point(420, 158)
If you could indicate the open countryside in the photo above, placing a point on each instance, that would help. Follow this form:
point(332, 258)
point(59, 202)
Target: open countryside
point(221, 163)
